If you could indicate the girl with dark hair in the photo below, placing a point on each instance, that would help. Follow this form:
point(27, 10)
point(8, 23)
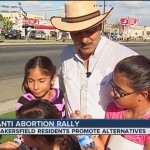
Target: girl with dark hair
point(131, 93)
point(42, 109)
point(38, 80)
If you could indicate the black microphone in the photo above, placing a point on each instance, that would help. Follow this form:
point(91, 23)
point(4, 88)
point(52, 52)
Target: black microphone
point(88, 74)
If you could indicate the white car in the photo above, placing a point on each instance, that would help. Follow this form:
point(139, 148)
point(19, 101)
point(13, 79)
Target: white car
point(40, 35)
point(119, 36)
point(147, 38)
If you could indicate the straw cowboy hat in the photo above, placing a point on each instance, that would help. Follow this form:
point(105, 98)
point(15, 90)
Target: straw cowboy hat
point(79, 15)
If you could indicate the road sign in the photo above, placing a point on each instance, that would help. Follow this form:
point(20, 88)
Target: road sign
point(129, 21)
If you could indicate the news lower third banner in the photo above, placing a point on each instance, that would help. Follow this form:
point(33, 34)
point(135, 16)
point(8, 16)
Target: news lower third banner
point(75, 127)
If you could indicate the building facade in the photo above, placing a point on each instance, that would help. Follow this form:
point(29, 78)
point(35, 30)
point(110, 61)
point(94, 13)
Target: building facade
point(129, 31)
point(30, 22)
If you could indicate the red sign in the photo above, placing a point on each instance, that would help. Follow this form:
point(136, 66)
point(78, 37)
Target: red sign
point(45, 27)
point(129, 21)
point(28, 21)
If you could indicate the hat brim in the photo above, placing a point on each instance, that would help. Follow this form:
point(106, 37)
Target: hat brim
point(78, 26)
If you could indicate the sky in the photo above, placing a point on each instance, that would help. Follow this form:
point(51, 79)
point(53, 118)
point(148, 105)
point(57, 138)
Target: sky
point(122, 9)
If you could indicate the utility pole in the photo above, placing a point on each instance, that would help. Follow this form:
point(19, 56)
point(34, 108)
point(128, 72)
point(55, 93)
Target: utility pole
point(21, 18)
point(104, 5)
point(104, 13)
point(23, 15)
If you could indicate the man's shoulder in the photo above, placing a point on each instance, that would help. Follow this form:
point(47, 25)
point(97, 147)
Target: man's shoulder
point(119, 48)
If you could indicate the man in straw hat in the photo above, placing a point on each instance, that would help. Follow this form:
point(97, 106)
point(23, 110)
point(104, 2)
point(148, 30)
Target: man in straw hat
point(86, 66)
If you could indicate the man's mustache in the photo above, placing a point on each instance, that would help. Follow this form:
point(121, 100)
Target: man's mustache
point(83, 44)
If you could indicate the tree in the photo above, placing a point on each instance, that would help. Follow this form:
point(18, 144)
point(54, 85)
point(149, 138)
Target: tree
point(1, 17)
point(148, 33)
point(117, 27)
point(8, 24)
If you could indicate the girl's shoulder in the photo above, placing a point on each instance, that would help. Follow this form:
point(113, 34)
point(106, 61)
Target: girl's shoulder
point(28, 96)
point(59, 91)
point(114, 112)
point(147, 116)
point(59, 102)
point(59, 96)
point(113, 107)
point(24, 99)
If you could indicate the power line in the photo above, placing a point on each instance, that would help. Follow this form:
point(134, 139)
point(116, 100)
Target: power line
point(9, 6)
point(6, 11)
point(132, 6)
point(43, 10)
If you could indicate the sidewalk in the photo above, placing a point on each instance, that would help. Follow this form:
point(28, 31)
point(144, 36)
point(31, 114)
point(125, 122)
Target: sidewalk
point(8, 101)
point(31, 42)
point(8, 106)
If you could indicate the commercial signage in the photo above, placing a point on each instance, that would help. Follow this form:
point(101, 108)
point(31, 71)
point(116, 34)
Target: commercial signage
point(129, 21)
point(28, 21)
point(45, 27)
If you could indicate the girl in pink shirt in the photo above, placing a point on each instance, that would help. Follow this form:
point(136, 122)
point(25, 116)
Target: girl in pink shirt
point(131, 93)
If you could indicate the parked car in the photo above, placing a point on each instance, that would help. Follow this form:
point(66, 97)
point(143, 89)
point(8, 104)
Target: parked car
point(3, 32)
point(62, 35)
point(40, 35)
point(53, 34)
point(65, 35)
point(147, 38)
point(32, 34)
point(116, 36)
point(119, 37)
point(13, 34)
point(107, 34)
point(37, 34)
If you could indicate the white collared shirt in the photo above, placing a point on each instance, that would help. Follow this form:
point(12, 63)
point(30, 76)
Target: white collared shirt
point(90, 95)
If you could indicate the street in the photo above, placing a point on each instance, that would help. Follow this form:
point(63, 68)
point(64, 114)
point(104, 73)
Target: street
point(13, 59)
